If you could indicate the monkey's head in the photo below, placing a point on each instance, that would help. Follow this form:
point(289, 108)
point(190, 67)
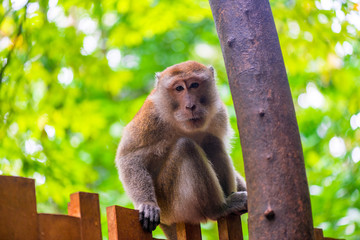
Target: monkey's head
point(187, 94)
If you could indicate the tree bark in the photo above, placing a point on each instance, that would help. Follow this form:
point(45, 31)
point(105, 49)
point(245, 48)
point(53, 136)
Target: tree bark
point(278, 196)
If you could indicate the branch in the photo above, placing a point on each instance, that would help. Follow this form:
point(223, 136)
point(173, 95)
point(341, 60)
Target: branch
point(8, 57)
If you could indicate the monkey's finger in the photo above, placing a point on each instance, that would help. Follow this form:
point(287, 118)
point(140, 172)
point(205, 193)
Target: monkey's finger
point(147, 220)
point(141, 216)
point(240, 212)
point(157, 217)
point(154, 226)
point(243, 211)
point(151, 226)
point(151, 219)
point(146, 211)
point(145, 224)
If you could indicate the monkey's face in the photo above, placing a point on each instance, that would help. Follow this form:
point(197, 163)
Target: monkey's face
point(191, 92)
point(189, 102)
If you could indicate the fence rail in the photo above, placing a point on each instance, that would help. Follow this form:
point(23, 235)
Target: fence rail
point(19, 219)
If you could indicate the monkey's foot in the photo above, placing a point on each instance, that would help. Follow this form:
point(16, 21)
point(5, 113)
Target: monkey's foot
point(236, 203)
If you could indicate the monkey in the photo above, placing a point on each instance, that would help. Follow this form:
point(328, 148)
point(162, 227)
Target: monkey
point(173, 158)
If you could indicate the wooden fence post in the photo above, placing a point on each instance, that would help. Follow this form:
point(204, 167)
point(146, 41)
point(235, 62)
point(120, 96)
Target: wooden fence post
point(230, 228)
point(318, 234)
point(123, 224)
point(18, 214)
point(58, 227)
point(187, 231)
point(19, 219)
point(86, 207)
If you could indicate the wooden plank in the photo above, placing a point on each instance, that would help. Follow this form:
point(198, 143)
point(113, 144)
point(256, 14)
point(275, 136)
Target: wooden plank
point(186, 231)
point(230, 228)
point(318, 234)
point(123, 224)
point(86, 207)
point(58, 227)
point(18, 214)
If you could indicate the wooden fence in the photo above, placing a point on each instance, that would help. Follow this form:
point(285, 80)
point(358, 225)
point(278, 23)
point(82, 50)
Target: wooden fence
point(19, 219)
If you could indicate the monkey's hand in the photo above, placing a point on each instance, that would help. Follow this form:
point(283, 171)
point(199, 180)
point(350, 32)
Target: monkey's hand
point(149, 216)
point(236, 203)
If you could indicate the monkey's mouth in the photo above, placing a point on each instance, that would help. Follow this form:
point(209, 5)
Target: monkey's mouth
point(196, 121)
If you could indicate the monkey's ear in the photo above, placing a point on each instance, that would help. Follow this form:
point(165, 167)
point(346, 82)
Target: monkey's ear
point(157, 76)
point(212, 70)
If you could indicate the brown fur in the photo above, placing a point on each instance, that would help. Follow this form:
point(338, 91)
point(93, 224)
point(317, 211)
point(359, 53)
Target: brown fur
point(172, 157)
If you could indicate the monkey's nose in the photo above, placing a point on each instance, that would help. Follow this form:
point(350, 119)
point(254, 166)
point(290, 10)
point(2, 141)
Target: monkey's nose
point(191, 107)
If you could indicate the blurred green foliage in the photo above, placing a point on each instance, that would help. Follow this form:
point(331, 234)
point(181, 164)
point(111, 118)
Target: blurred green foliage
point(74, 73)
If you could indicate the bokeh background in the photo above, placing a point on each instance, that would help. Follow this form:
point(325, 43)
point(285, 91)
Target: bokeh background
point(73, 74)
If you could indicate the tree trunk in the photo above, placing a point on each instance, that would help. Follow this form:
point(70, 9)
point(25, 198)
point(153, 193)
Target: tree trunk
point(278, 196)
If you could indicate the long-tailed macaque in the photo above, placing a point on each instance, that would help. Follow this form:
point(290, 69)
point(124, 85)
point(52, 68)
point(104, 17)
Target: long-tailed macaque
point(172, 158)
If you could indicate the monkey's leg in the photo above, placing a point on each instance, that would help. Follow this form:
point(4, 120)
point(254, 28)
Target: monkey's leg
point(240, 182)
point(188, 188)
point(169, 230)
point(230, 180)
point(221, 162)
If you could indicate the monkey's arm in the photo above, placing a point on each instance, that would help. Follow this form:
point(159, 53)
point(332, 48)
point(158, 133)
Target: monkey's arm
point(133, 158)
point(139, 186)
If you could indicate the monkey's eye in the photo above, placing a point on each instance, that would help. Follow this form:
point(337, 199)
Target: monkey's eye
point(179, 88)
point(194, 85)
